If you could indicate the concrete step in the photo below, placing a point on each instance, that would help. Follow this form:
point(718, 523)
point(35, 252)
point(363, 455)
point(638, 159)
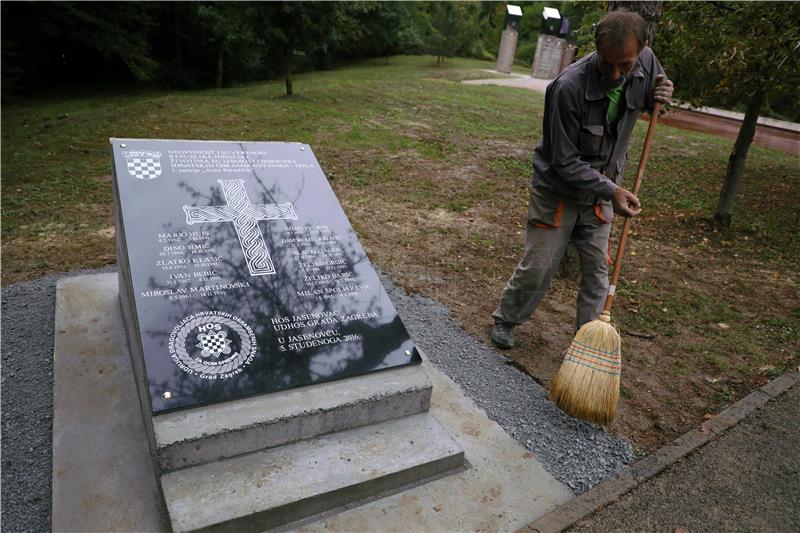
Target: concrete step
point(211, 433)
point(275, 487)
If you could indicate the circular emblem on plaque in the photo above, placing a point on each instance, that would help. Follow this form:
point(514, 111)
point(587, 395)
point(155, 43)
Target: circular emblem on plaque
point(214, 344)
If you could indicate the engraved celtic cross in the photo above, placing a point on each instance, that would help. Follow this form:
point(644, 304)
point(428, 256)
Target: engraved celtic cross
point(245, 217)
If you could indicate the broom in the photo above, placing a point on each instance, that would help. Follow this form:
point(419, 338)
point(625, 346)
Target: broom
point(587, 384)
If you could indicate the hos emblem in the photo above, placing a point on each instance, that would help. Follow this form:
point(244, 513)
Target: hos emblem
point(212, 344)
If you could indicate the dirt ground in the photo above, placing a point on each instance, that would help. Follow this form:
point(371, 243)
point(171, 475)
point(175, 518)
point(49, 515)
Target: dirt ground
point(659, 401)
point(436, 185)
point(670, 382)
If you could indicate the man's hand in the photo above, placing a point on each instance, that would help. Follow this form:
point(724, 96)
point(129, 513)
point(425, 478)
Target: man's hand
point(662, 90)
point(625, 203)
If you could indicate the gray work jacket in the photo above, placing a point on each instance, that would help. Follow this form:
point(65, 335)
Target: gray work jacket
point(581, 157)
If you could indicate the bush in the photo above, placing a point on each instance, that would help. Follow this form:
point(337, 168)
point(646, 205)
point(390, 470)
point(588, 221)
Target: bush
point(525, 53)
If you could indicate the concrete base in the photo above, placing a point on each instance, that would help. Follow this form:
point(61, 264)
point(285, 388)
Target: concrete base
point(103, 476)
point(211, 433)
point(504, 482)
point(263, 490)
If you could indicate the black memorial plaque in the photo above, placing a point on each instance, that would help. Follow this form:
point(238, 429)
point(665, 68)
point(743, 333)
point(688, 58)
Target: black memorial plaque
point(240, 273)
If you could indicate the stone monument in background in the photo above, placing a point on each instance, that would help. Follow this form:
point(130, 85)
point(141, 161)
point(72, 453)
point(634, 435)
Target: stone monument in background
point(553, 52)
point(508, 42)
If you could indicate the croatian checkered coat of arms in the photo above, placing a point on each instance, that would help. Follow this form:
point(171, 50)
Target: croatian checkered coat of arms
point(214, 344)
point(143, 164)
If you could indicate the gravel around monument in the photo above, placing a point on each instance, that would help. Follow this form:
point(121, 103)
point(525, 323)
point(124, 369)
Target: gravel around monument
point(28, 312)
point(578, 454)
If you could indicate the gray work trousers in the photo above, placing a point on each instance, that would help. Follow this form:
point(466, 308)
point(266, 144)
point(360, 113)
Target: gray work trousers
point(552, 223)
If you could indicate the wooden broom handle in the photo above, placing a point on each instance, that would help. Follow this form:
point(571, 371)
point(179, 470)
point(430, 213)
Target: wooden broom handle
point(623, 240)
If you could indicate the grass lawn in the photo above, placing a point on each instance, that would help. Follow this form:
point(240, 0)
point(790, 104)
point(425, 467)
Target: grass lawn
point(434, 176)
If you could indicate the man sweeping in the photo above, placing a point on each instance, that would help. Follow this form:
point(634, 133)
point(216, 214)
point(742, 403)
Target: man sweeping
point(590, 111)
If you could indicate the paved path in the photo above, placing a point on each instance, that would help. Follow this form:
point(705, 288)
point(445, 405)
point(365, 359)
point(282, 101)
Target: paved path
point(784, 136)
point(747, 480)
point(521, 82)
point(738, 471)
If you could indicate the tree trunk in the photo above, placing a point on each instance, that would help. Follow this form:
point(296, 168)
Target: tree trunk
point(287, 73)
point(220, 57)
point(650, 12)
point(733, 175)
point(177, 21)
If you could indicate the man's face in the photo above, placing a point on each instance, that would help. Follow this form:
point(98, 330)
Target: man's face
point(615, 61)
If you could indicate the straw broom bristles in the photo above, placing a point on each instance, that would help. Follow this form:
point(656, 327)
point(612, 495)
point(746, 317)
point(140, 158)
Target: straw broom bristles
point(587, 384)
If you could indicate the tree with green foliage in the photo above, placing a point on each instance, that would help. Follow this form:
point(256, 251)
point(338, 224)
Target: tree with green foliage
point(42, 41)
point(451, 29)
point(306, 32)
point(386, 28)
point(650, 11)
point(734, 54)
point(191, 44)
point(230, 30)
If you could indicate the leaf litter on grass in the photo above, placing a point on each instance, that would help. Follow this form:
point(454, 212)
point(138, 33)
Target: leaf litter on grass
point(434, 176)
